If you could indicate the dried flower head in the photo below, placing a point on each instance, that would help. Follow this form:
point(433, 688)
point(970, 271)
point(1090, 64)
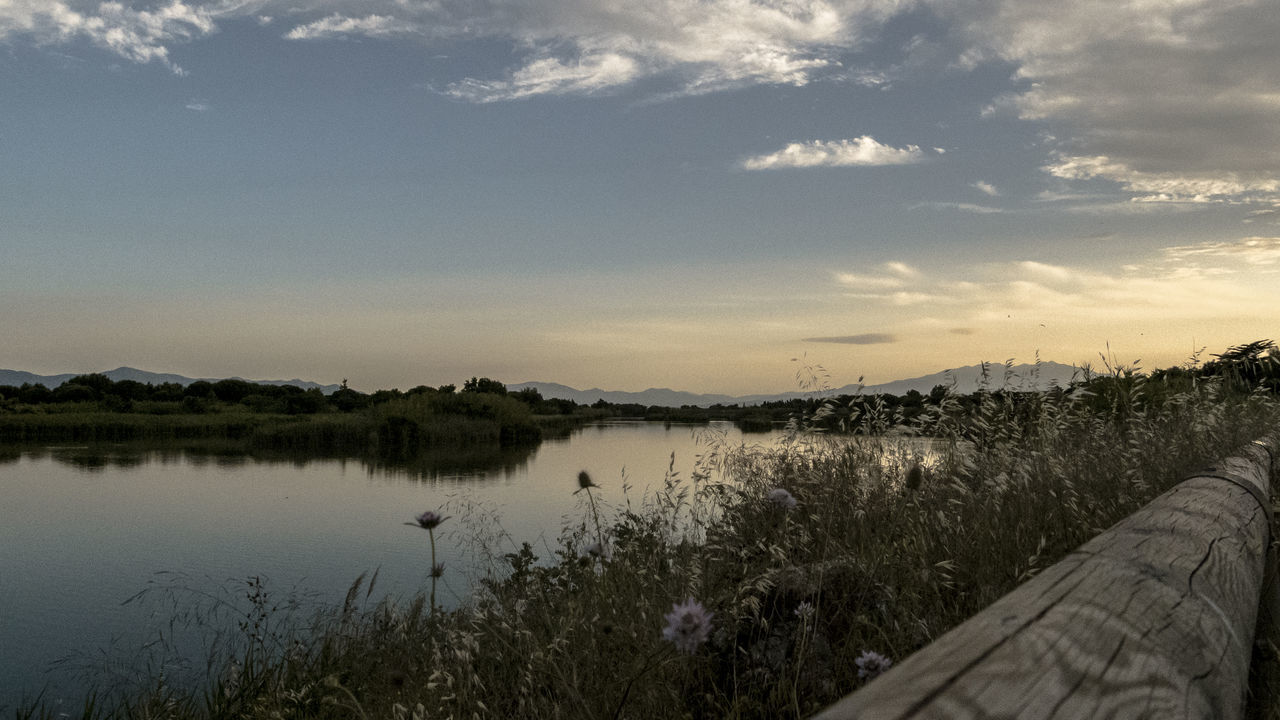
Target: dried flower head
point(437, 570)
point(428, 520)
point(871, 664)
point(782, 498)
point(584, 481)
point(688, 625)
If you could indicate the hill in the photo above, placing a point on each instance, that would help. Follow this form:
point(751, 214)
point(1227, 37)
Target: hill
point(18, 377)
point(961, 380)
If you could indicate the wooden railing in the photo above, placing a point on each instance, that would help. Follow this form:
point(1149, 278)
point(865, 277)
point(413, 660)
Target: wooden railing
point(1154, 618)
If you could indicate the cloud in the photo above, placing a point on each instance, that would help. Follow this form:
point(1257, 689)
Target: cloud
point(560, 46)
point(864, 339)
point(377, 26)
point(1224, 280)
point(141, 36)
point(863, 151)
point(198, 106)
point(896, 276)
point(1167, 186)
point(986, 188)
point(698, 45)
point(963, 207)
point(1251, 250)
point(1181, 95)
point(901, 269)
point(550, 76)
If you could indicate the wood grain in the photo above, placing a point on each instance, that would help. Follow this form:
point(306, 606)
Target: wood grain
point(1154, 618)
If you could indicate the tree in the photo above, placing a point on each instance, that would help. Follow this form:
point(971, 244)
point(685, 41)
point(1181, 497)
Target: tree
point(233, 391)
point(484, 385)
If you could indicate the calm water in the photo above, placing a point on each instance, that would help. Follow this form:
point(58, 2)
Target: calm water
point(84, 529)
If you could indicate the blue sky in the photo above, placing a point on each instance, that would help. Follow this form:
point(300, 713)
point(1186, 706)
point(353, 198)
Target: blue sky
point(682, 193)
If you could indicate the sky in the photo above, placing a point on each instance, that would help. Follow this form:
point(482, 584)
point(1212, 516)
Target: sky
point(707, 195)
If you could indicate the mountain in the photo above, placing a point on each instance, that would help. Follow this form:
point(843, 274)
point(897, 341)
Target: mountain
point(18, 377)
point(962, 380)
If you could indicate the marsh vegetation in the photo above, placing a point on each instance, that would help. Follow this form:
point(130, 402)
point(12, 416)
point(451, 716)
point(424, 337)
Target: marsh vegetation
point(797, 575)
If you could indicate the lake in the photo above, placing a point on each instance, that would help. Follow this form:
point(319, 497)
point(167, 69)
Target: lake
point(83, 529)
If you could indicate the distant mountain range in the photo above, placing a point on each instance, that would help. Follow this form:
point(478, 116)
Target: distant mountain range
point(961, 380)
point(18, 377)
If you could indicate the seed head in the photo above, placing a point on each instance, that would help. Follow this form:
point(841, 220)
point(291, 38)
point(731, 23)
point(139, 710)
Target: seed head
point(871, 664)
point(782, 499)
point(428, 520)
point(584, 481)
point(688, 625)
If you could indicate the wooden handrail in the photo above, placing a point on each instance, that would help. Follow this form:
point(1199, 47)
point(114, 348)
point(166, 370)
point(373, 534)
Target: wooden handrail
point(1153, 618)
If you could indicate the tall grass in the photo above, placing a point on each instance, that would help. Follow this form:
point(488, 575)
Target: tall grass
point(894, 536)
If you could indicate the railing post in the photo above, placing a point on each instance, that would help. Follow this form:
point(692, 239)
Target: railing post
point(1153, 618)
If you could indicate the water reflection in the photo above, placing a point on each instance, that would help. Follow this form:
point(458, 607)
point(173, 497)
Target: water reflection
point(476, 463)
point(84, 527)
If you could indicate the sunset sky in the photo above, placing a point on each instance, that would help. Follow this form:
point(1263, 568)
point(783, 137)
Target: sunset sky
point(623, 194)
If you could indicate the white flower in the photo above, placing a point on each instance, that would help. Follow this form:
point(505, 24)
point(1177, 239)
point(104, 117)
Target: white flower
point(871, 664)
point(688, 626)
point(781, 498)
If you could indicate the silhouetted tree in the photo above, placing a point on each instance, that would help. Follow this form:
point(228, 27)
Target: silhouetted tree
point(484, 385)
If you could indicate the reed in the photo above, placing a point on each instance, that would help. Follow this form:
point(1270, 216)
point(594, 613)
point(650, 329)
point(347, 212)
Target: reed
point(770, 591)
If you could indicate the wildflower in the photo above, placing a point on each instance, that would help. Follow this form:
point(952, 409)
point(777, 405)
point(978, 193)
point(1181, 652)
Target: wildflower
point(781, 498)
point(688, 625)
point(437, 570)
point(584, 482)
point(871, 664)
point(804, 610)
point(428, 520)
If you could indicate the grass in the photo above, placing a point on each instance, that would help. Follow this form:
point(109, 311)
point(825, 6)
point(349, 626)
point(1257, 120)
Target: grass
point(892, 541)
point(399, 428)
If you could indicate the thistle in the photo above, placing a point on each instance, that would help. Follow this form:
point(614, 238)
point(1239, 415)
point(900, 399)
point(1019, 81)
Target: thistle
point(429, 521)
point(871, 664)
point(688, 625)
point(782, 499)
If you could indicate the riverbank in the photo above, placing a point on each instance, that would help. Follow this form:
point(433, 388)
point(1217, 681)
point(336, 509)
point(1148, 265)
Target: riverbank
point(771, 593)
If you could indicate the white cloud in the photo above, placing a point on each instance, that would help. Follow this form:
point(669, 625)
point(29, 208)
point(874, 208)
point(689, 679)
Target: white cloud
point(1251, 250)
point(699, 45)
point(962, 207)
point(378, 26)
point(550, 76)
point(141, 36)
point(562, 46)
point(1167, 186)
point(902, 269)
point(986, 188)
point(198, 106)
point(1205, 280)
point(838, 153)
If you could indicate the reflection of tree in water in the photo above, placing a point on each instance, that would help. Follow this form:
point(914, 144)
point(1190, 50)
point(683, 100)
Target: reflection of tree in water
point(467, 463)
point(10, 455)
point(470, 463)
point(98, 459)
